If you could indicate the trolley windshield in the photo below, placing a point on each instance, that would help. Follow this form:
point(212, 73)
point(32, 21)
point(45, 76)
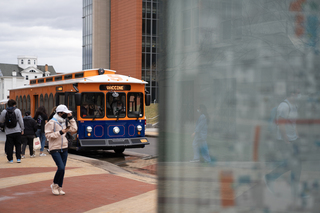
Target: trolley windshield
point(118, 105)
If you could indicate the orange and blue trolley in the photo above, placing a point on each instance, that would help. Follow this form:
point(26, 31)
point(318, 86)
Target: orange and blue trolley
point(109, 108)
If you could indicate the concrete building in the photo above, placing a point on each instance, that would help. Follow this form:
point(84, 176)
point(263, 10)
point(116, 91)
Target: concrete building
point(17, 75)
point(122, 36)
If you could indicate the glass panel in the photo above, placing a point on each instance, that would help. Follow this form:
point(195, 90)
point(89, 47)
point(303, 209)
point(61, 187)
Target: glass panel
point(135, 104)
point(154, 44)
point(148, 10)
point(78, 75)
point(154, 10)
point(154, 27)
point(154, 62)
point(143, 10)
point(143, 26)
point(226, 30)
point(154, 76)
point(240, 111)
point(46, 103)
point(186, 19)
point(51, 104)
point(25, 108)
point(143, 44)
point(20, 105)
point(36, 103)
point(148, 61)
point(92, 105)
point(148, 27)
point(72, 104)
point(28, 104)
point(66, 77)
point(61, 98)
point(49, 79)
point(148, 44)
point(187, 37)
point(59, 78)
point(41, 100)
point(116, 105)
point(143, 60)
point(143, 75)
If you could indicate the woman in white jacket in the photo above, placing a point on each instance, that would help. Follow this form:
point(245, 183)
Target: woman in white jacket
point(55, 131)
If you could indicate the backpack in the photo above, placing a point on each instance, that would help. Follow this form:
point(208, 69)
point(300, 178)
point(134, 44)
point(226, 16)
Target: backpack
point(39, 120)
point(11, 119)
point(273, 125)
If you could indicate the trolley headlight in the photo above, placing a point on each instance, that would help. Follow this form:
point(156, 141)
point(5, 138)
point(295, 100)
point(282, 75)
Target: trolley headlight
point(89, 129)
point(139, 128)
point(116, 130)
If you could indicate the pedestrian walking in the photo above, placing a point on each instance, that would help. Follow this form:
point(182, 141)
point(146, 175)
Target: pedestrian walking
point(55, 131)
point(30, 129)
point(200, 136)
point(41, 119)
point(288, 143)
point(14, 127)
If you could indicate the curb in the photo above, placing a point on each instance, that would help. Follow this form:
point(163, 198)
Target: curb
point(151, 135)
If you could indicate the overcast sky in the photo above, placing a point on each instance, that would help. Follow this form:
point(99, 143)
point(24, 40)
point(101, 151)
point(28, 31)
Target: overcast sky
point(48, 29)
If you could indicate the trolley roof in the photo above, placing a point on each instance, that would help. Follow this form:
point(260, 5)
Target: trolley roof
point(86, 76)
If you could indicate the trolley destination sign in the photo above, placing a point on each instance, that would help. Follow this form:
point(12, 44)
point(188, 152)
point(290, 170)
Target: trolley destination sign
point(115, 87)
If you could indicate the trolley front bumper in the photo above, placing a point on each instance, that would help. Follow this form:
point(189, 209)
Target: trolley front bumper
point(114, 142)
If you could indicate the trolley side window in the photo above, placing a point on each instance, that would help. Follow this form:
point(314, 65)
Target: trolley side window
point(92, 105)
point(60, 98)
point(116, 105)
point(71, 103)
point(135, 104)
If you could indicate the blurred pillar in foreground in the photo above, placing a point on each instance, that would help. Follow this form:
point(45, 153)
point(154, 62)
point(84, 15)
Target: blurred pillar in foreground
point(241, 59)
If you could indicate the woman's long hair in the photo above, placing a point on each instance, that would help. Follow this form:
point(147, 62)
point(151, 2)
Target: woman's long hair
point(40, 111)
point(203, 110)
point(53, 111)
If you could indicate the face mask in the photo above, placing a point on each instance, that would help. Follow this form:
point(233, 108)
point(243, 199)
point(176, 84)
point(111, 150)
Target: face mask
point(64, 116)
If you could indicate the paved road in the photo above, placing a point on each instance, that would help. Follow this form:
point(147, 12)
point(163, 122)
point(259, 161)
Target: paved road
point(110, 156)
point(127, 188)
point(149, 149)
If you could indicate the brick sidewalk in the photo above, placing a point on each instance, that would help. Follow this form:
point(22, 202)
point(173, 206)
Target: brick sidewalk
point(90, 185)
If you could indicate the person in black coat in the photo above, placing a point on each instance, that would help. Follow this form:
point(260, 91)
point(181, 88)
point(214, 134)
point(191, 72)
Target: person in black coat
point(30, 130)
point(41, 118)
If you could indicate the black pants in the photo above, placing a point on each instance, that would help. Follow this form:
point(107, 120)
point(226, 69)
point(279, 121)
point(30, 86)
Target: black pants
point(27, 140)
point(13, 140)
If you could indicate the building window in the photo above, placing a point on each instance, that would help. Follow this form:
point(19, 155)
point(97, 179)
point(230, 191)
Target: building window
point(29, 61)
point(35, 76)
point(34, 62)
point(149, 44)
point(190, 24)
point(87, 34)
point(231, 26)
point(21, 61)
point(32, 71)
point(27, 78)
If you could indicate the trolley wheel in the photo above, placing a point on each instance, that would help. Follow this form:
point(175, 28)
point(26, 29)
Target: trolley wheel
point(119, 151)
